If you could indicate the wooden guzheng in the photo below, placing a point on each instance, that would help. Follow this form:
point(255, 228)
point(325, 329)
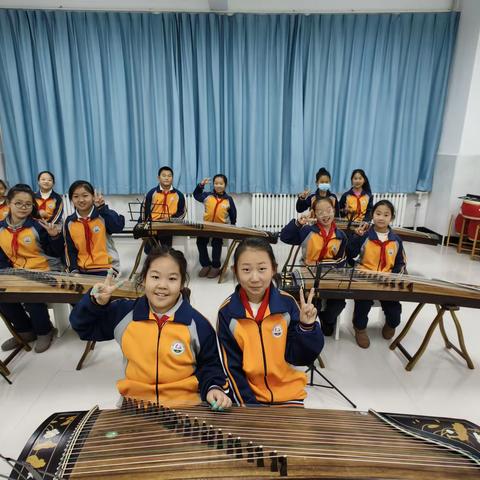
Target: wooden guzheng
point(405, 234)
point(19, 285)
point(199, 229)
point(149, 442)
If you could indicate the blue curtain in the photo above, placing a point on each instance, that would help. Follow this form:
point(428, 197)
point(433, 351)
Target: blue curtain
point(265, 99)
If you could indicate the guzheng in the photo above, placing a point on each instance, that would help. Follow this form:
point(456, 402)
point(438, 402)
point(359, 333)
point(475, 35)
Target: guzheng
point(406, 234)
point(20, 285)
point(366, 285)
point(151, 442)
point(199, 229)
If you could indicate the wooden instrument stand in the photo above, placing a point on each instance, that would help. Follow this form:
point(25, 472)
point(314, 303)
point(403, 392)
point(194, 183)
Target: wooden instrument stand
point(437, 321)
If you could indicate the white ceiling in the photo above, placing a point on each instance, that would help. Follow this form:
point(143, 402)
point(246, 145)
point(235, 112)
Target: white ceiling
point(259, 6)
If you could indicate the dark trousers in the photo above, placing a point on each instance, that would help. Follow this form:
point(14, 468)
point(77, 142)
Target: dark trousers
point(37, 320)
point(202, 243)
point(164, 240)
point(392, 310)
point(333, 309)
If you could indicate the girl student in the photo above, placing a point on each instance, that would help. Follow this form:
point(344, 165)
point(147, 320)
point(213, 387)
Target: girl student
point(356, 203)
point(89, 247)
point(170, 348)
point(219, 208)
point(3, 200)
point(49, 202)
point(29, 243)
point(263, 333)
point(378, 249)
point(323, 179)
point(321, 242)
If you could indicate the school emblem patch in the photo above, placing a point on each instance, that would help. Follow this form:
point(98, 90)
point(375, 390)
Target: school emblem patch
point(96, 229)
point(27, 240)
point(334, 249)
point(277, 331)
point(177, 348)
point(390, 251)
point(51, 204)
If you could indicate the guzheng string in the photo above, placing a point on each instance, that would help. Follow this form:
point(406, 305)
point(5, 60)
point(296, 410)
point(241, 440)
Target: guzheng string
point(148, 442)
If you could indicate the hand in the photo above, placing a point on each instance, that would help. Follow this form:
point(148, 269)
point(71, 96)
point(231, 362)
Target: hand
point(362, 228)
point(205, 181)
point(98, 199)
point(218, 400)
point(306, 220)
point(52, 229)
point(304, 194)
point(43, 213)
point(102, 292)
point(308, 313)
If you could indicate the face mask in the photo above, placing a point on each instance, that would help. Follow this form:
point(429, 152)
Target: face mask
point(324, 186)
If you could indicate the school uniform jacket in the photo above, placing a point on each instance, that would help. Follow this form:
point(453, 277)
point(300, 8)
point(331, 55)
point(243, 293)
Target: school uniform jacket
point(29, 246)
point(53, 205)
point(303, 205)
point(218, 208)
point(312, 242)
point(258, 357)
point(97, 252)
point(160, 205)
point(361, 205)
point(177, 363)
point(369, 249)
point(4, 211)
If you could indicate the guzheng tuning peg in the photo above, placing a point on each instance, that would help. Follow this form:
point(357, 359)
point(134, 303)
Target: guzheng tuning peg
point(219, 439)
point(259, 456)
point(229, 444)
point(274, 460)
point(283, 466)
point(238, 448)
point(250, 452)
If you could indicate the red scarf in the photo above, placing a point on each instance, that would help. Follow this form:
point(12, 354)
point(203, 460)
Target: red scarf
point(263, 306)
point(43, 204)
point(359, 206)
point(161, 321)
point(219, 201)
point(326, 238)
point(164, 204)
point(88, 234)
point(15, 233)
point(383, 252)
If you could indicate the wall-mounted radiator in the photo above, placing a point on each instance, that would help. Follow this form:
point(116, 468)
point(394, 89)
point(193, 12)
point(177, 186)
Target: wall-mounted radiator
point(273, 211)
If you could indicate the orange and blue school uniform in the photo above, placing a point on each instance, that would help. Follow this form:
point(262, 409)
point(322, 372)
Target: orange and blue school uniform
point(28, 246)
point(259, 351)
point(370, 253)
point(358, 207)
point(218, 208)
point(163, 205)
point(4, 210)
point(169, 359)
point(317, 244)
point(305, 204)
point(52, 204)
point(89, 246)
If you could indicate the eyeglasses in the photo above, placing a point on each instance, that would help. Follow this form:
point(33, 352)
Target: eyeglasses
point(23, 205)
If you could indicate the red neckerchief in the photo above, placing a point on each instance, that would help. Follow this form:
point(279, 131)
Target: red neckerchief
point(263, 306)
point(219, 201)
point(88, 234)
point(15, 232)
point(326, 238)
point(161, 321)
point(359, 205)
point(383, 253)
point(43, 204)
point(164, 204)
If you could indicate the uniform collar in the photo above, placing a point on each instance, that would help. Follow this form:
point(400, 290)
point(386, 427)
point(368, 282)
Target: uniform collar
point(372, 234)
point(28, 222)
point(92, 214)
point(182, 311)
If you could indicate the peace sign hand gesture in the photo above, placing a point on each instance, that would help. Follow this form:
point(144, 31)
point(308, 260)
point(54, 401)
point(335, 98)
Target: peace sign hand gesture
point(304, 194)
point(205, 181)
point(98, 199)
point(52, 229)
point(102, 292)
point(308, 312)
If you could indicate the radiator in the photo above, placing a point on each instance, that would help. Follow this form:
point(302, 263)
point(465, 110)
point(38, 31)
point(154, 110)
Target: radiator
point(274, 211)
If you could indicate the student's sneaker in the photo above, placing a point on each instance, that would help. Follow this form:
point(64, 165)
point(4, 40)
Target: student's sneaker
point(44, 341)
point(203, 271)
point(12, 344)
point(361, 337)
point(214, 272)
point(388, 332)
point(328, 329)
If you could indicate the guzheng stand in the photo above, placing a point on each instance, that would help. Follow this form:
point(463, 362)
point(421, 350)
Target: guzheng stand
point(437, 321)
point(312, 369)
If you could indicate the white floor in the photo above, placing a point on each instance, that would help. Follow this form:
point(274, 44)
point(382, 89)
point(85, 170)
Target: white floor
point(440, 384)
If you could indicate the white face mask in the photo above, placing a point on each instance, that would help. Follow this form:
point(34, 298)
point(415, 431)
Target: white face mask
point(323, 186)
